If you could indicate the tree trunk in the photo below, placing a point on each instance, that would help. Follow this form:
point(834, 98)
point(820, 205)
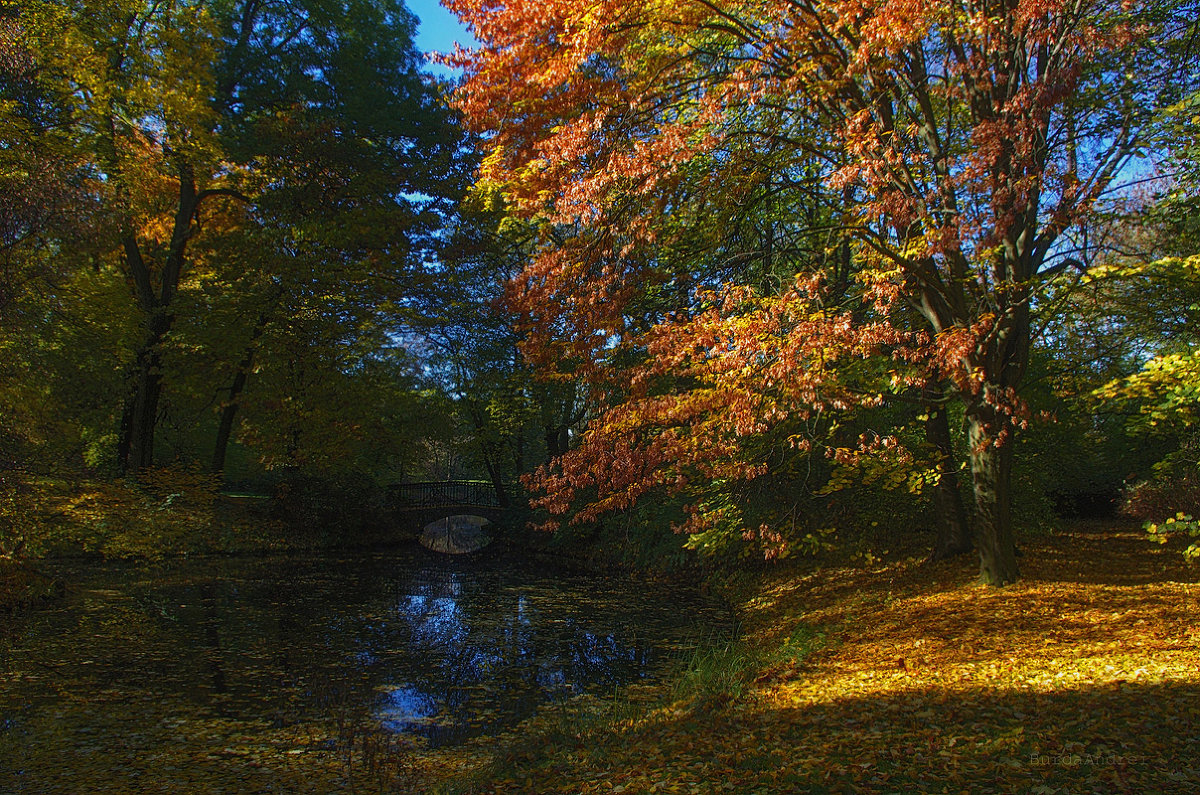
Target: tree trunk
point(229, 413)
point(143, 413)
point(493, 454)
point(498, 484)
point(558, 441)
point(231, 405)
point(954, 527)
point(140, 415)
point(991, 440)
point(135, 449)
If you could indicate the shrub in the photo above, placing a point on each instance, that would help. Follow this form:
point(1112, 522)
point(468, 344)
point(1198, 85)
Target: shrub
point(1175, 525)
point(1161, 498)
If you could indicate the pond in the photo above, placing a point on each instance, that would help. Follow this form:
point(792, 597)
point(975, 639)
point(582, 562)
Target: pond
point(240, 663)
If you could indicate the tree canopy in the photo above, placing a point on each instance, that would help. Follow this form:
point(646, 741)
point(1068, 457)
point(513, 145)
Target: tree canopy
point(949, 150)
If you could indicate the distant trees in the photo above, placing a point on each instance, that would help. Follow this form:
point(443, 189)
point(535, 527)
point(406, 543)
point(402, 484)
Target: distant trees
point(514, 418)
point(246, 194)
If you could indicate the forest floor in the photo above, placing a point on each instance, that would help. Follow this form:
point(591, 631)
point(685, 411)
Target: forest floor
point(914, 678)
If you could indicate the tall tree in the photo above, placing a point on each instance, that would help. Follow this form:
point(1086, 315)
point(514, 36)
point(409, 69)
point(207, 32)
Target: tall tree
point(139, 77)
point(966, 136)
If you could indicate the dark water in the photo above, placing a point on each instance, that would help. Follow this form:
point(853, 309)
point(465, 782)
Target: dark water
point(408, 642)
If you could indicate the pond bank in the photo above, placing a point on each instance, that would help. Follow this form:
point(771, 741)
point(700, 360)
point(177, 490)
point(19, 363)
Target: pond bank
point(912, 677)
point(121, 520)
point(891, 676)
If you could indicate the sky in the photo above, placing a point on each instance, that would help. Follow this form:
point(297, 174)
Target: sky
point(439, 29)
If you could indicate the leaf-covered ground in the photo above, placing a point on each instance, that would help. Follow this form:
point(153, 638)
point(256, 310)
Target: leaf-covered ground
point(1082, 678)
point(902, 678)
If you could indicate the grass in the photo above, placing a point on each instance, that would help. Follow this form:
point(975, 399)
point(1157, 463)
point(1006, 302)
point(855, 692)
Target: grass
point(716, 674)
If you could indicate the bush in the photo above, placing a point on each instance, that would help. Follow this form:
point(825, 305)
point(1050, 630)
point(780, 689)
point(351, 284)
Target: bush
point(1159, 499)
point(1179, 524)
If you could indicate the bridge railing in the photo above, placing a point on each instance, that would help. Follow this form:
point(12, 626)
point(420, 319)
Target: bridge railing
point(434, 493)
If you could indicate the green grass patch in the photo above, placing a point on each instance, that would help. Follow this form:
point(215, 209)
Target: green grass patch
point(717, 673)
point(722, 670)
point(803, 641)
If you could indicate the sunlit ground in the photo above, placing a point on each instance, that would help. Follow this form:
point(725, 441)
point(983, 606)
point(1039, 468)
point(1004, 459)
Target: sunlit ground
point(1083, 678)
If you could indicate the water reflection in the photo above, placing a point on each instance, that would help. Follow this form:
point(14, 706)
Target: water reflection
point(404, 708)
point(409, 642)
point(491, 652)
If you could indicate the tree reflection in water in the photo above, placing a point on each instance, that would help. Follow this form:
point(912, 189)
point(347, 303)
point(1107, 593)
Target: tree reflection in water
point(407, 641)
point(492, 653)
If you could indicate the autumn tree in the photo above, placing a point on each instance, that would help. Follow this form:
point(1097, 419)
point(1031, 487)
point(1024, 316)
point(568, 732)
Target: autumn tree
point(964, 140)
point(137, 79)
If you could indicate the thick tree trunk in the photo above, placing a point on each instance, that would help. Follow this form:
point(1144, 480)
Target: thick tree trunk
point(140, 415)
point(143, 414)
point(558, 441)
point(991, 441)
point(954, 528)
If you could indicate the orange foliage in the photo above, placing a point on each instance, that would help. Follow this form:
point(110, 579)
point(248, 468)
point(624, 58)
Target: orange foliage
point(622, 126)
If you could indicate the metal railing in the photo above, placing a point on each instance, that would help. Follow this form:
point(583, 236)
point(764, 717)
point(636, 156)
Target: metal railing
point(434, 493)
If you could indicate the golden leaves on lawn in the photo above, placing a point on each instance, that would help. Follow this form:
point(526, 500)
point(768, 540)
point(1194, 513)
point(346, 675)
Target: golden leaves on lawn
point(1083, 678)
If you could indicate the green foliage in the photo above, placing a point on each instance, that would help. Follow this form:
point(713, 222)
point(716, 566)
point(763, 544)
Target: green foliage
point(251, 193)
point(180, 510)
point(1116, 371)
point(1164, 392)
point(1179, 524)
point(1179, 136)
point(723, 532)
